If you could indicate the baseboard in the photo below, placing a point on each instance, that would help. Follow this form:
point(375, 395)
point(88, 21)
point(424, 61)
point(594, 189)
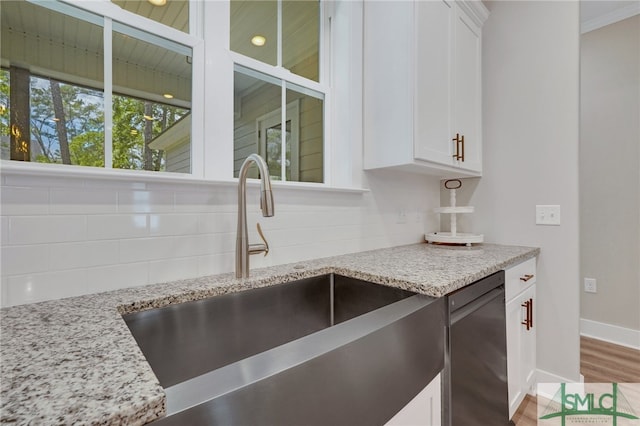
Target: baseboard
point(546, 377)
point(546, 383)
point(610, 333)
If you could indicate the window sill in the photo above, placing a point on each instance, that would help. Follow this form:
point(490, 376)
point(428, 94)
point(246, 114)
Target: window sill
point(16, 168)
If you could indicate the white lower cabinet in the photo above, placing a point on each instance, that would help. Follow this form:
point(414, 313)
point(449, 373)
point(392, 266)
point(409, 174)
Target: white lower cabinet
point(521, 331)
point(423, 410)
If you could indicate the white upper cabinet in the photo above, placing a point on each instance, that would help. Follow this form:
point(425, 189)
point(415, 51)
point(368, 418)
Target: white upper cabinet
point(422, 86)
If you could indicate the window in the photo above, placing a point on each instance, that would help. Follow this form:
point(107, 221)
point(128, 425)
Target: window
point(270, 142)
point(63, 102)
point(279, 65)
point(133, 85)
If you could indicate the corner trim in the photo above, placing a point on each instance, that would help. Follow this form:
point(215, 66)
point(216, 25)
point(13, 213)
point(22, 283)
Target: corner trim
point(610, 333)
point(610, 18)
point(477, 11)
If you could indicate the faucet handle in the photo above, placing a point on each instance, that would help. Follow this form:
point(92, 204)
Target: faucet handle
point(264, 240)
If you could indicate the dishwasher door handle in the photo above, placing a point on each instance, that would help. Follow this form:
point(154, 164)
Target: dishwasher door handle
point(471, 307)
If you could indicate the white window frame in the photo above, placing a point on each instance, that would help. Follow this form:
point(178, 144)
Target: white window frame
point(299, 83)
point(272, 119)
point(112, 18)
point(212, 138)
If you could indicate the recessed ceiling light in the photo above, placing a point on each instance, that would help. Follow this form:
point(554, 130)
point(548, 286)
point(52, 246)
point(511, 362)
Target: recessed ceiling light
point(168, 95)
point(158, 2)
point(258, 40)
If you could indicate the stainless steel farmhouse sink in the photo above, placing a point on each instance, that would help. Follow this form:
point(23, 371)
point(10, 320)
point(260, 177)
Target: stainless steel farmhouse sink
point(321, 350)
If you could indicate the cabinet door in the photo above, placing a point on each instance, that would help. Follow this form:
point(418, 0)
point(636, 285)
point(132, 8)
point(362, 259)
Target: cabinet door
point(515, 315)
point(521, 348)
point(528, 355)
point(388, 83)
point(467, 90)
point(432, 98)
point(423, 410)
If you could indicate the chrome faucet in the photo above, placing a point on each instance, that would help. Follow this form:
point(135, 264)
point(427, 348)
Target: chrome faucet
point(243, 248)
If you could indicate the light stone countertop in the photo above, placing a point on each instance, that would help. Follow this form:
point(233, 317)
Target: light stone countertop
point(74, 361)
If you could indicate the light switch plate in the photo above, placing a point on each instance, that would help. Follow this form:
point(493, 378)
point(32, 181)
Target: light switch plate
point(547, 215)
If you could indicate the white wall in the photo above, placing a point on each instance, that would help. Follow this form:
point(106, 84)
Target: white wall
point(530, 136)
point(610, 173)
point(69, 236)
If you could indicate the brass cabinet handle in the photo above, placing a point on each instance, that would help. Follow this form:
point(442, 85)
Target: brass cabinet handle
point(459, 140)
point(457, 155)
point(526, 277)
point(528, 321)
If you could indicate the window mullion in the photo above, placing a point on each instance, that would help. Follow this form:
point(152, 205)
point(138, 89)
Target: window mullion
point(283, 132)
point(108, 92)
point(279, 25)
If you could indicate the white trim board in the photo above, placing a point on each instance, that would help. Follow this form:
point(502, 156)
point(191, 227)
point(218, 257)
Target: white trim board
point(610, 333)
point(610, 18)
point(543, 376)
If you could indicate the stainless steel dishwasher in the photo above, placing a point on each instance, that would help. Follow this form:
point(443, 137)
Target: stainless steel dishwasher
point(475, 376)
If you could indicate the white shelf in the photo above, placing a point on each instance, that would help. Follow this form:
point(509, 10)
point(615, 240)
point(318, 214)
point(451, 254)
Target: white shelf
point(461, 209)
point(459, 238)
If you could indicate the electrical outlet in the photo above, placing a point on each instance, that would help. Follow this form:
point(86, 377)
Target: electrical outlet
point(547, 215)
point(590, 285)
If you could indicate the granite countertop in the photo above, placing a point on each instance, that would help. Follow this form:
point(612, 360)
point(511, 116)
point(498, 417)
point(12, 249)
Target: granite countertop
point(74, 361)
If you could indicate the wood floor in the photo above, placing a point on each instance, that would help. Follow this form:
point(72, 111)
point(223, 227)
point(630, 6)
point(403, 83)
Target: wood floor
point(600, 362)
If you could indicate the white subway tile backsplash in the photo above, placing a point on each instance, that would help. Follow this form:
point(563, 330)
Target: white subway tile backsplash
point(193, 245)
point(68, 236)
point(224, 243)
point(24, 201)
point(107, 227)
point(145, 249)
point(211, 223)
point(195, 202)
point(31, 288)
point(118, 276)
point(46, 229)
point(83, 201)
point(4, 230)
point(216, 264)
point(145, 202)
point(173, 269)
point(25, 259)
point(173, 224)
point(83, 255)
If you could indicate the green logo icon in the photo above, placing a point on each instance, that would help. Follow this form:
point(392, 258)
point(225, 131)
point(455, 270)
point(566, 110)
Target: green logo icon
point(566, 405)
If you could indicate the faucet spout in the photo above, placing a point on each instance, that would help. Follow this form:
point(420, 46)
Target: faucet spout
point(243, 248)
